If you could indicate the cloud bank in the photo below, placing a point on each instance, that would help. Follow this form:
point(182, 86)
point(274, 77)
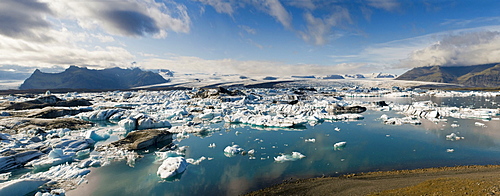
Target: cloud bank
point(470, 48)
point(186, 64)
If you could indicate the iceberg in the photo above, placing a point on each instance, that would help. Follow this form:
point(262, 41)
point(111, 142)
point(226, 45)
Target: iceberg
point(232, 150)
point(339, 145)
point(197, 161)
point(21, 186)
point(453, 137)
point(289, 157)
point(171, 167)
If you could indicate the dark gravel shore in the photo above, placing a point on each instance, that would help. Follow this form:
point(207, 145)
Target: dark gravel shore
point(460, 180)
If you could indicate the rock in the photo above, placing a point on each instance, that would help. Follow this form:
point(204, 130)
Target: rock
point(142, 139)
point(17, 123)
point(51, 112)
point(345, 109)
point(380, 103)
point(43, 102)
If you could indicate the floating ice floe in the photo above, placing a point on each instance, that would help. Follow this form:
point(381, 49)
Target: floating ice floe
point(96, 136)
point(17, 158)
point(289, 157)
point(453, 137)
point(479, 124)
point(171, 167)
point(232, 150)
point(339, 145)
point(197, 161)
point(399, 121)
point(450, 150)
point(312, 140)
point(5, 176)
point(21, 186)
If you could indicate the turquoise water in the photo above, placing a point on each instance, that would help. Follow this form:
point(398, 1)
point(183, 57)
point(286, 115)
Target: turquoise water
point(371, 146)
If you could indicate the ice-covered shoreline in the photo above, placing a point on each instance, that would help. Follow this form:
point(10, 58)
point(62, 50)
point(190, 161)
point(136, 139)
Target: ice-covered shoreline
point(67, 153)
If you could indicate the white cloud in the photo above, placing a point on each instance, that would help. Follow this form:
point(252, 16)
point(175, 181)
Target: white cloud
point(220, 6)
point(62, 50)
point(320, 30)
point(389, 5)
point(307, 4)
point(24, 19)
point(188, 64)
point(126, 17)
point(276, 10)
point(248, 29)
point(459, 47)
point(469, 48)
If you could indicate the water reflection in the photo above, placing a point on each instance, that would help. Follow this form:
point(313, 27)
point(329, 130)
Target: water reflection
point(371, 146)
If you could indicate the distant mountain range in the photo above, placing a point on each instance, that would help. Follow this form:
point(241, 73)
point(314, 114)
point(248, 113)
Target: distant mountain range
point(82, 78)
point(487, 75)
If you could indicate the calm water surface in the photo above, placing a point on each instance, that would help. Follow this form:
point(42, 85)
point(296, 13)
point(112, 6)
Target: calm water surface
point(371, 146)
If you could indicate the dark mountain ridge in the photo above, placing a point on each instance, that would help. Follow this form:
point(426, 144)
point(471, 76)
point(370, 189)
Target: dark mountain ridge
point(82, 78)
point(487, 75)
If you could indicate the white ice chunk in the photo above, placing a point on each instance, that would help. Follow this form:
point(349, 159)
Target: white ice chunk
point(21, 186)
point(5, 176)
point(196, 162)
point(312, 140)
point(453, 137)
point(128, 124)
point(479, 124)
point(171, 167)
point(92, 134)
point(339, 145)
point(232, 150)
point(289, 157)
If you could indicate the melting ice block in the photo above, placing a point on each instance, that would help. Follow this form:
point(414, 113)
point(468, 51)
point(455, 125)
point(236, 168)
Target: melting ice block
point(453, 137)
point(289, 157)
point(21, 186)
point(172, 166)
point(339, 145)
point(232, 150)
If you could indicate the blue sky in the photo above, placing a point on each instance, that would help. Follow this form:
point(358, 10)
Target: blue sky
point(251, 37)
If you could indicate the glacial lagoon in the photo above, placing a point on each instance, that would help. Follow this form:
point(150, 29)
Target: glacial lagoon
point(415, 129)
point(370, 146)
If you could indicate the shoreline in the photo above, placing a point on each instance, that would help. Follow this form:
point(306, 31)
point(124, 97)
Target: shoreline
point(458, 180)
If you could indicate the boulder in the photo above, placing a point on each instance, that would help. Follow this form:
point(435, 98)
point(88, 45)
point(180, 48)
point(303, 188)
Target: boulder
point(142, 139)
point(17, 123)
point(345, 109)
point(52, 112)
point(43, 102)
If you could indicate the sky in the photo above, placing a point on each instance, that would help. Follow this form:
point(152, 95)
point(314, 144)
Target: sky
point(248, 37)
